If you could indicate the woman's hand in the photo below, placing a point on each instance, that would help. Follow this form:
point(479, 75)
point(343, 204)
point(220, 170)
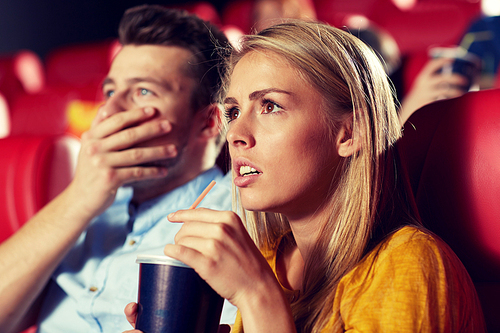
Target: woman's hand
point(218, 247)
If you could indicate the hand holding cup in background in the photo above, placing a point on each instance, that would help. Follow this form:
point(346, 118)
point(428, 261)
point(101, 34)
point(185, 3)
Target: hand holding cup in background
point(464, 63)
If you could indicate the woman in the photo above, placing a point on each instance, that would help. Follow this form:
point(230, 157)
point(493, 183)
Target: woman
point(311, 128)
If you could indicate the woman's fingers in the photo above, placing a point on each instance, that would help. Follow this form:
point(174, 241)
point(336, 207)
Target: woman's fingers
point(131, 313)
point(203, 214)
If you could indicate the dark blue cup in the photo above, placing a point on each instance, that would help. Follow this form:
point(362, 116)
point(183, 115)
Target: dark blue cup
point(465, 63)
point(174, 298)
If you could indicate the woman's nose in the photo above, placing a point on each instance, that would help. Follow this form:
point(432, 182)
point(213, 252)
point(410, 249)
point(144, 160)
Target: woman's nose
point(240, 133)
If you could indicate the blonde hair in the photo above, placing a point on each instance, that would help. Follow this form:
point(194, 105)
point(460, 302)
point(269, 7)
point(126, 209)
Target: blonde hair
point(354, 86)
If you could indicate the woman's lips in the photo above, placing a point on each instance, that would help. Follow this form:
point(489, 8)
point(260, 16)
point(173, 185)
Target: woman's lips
point(245, 173)
point(242, 181)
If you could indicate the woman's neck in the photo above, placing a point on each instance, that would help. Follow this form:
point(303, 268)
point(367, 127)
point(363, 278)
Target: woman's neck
point(292, 256)
point(306, 229)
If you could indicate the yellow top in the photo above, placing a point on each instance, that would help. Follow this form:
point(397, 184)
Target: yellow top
point(412, 282)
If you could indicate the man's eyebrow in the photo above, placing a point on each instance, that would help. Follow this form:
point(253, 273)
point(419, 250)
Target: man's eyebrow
point(148, 79)
point(256, 95)
point(106, 81)
point(134, 80)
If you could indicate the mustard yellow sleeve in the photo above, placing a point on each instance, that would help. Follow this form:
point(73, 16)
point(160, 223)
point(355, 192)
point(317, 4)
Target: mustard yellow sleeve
point(407, 284)
point(238, 324)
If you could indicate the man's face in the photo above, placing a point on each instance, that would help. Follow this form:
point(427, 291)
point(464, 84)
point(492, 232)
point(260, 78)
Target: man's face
point(155, 76)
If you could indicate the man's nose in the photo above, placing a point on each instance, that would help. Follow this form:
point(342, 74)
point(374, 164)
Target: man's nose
point(114, 104)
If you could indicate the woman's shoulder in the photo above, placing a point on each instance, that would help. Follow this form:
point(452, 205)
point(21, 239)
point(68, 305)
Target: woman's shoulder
point(411, 276)
point(410, 251)
point(410, 241)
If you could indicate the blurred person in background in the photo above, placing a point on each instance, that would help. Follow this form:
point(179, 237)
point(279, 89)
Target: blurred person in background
point(431, 83)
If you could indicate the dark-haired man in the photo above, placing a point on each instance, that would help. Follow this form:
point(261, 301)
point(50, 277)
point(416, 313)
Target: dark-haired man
point(151, 151)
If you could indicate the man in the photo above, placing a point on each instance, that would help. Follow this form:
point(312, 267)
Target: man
point(150, 151)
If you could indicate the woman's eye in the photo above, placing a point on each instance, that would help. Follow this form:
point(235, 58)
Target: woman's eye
point(270, 107)
point(232, 114)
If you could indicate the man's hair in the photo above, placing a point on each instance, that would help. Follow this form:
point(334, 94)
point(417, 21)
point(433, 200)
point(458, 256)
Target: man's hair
point(158, 25)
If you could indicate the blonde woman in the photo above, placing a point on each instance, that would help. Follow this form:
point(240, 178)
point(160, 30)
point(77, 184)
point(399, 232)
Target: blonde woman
point(333, 241)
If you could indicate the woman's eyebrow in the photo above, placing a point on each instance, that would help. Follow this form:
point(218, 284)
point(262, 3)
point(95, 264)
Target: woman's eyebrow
point(230, 100)
point(260, 93)
point(257, 94)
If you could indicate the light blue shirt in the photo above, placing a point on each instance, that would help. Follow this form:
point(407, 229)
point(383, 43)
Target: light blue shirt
point(99, 276)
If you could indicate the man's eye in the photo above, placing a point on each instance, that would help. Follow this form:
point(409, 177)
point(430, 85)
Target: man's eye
point(145, 92)
point(109, 93)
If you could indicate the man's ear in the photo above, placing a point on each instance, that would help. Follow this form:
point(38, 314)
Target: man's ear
point(348, 140)
point(211, 121)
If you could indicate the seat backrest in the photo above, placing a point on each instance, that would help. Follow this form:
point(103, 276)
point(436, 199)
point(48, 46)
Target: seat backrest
point(452, 151)
point(81, 64)
point(4, 117)
point(33, 170)
point(21, 72)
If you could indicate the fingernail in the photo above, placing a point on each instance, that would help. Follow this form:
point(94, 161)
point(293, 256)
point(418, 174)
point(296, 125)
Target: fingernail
point(172, 150)
point(170, 216)
point(149, 110)
point(165, 125)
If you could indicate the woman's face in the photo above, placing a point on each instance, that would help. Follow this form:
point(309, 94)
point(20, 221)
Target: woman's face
point(282, 156)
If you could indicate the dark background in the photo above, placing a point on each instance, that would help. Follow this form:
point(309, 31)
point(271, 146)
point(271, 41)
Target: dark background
point(41, 26)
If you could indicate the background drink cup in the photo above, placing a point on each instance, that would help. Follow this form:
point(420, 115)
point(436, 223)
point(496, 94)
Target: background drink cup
point(174, 298)
point(465, 63)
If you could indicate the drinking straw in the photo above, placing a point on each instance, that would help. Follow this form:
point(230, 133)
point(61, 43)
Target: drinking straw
point(203, 194)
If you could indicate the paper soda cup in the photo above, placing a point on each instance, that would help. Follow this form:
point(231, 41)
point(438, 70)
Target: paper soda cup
point(173, 298)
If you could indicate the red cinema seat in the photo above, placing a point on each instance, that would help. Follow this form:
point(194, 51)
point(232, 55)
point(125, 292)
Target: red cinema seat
point(55, 110)
point(4, 117)
point(81, 64)
point(21, 72)
point(238, 13)
point(204, 10)
point(452, 151)
point(40, 113)
point(33, 170)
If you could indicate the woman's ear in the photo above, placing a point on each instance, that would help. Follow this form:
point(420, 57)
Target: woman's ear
point(348, 140)
point(211, 121)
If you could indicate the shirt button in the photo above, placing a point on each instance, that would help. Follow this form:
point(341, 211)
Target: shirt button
point(132, 242)
point(93, 289)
